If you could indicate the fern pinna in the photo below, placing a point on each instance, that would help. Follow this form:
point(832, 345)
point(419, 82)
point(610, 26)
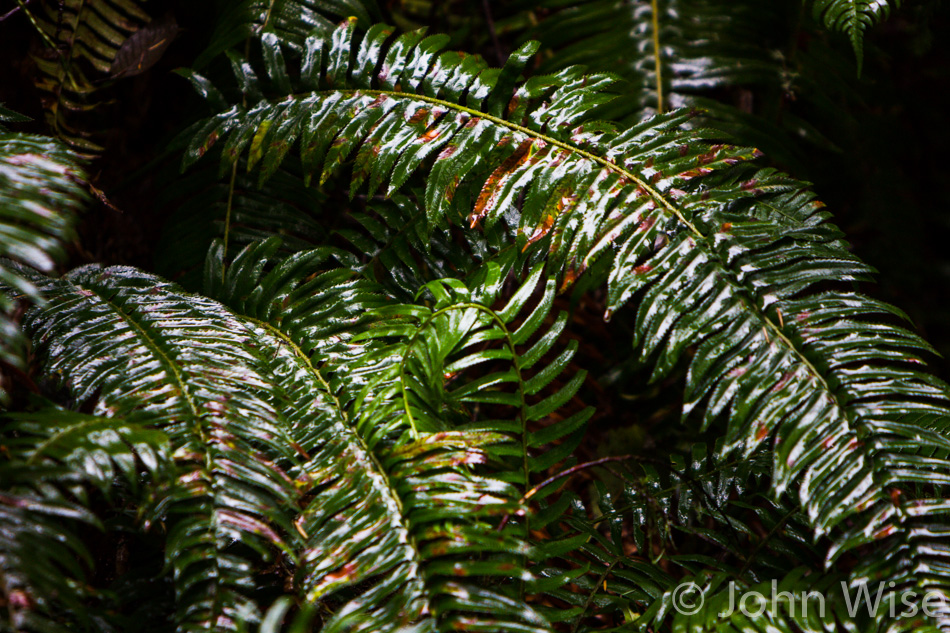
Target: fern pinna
point(373, 433)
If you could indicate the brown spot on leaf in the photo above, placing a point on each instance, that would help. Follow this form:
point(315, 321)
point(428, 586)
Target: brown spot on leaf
point(540, 231)
point(884, 532)
point(211, 140)
point(344, 573)
point(895, 495)
point(419, 116)
point(488, 195)
point(430, 135)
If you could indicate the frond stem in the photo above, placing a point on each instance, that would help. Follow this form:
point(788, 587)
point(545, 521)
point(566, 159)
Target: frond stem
point(650, 189)
point(227, 217)
point(387, 483)
point(21, 6)
point(590, 598)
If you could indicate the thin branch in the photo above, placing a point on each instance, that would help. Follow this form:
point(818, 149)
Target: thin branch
point(567, 473)
point(573, 469)
point(13, 11)
point(9, 13)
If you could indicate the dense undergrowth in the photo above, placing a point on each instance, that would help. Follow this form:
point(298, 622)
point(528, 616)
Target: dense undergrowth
point(505, 316)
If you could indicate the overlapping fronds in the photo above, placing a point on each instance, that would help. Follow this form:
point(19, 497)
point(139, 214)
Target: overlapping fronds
point(514, 346)
point(41, 192)
point(721, 256)
point(732, 60)
point(53, 459)
point(82, 39)
point(394, 504)
point(396, 249)
point(698, 516)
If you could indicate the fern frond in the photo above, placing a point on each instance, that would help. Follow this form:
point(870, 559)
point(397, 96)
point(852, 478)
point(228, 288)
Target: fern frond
point(647, 523)
point(85, 36)
point(394, 509)
point(9, 116)
point(722, 254)
point(41, 192)
point(669, 50)
point(130, 342)
point(51, 458)
point(712, 53)
point(397, 251)
point(853, 18)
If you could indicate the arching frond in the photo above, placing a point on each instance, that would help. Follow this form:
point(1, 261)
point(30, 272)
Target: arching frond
point(721, 256)
point(131, 343)
point(41, 192)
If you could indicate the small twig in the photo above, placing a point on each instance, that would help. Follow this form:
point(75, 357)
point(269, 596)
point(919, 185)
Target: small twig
point(9, 13)
point(13, 11)
point(590, 598)
point(573, 469)
point(491, 30)
point(567, 473)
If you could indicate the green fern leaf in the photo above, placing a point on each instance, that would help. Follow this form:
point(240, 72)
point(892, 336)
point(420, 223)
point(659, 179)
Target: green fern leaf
point(41, 193)
point(409, 496)
point(188, 366)
point(853, 18)
point(51, 458)
point(10, 116)
point(722, 254)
